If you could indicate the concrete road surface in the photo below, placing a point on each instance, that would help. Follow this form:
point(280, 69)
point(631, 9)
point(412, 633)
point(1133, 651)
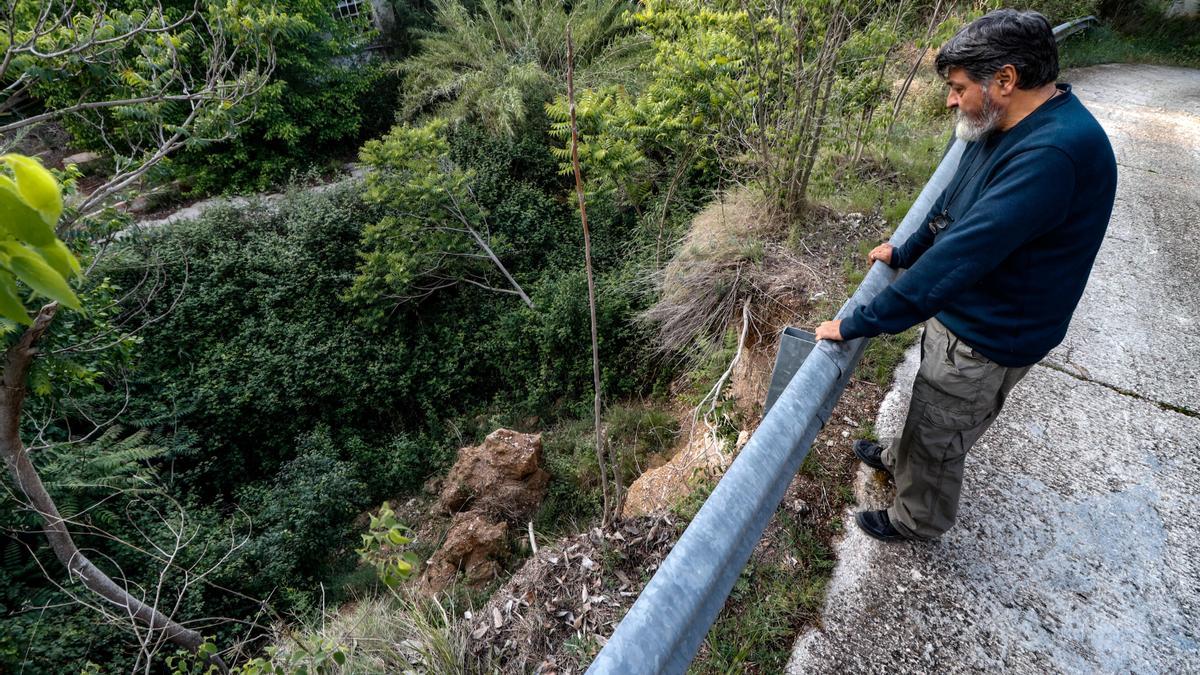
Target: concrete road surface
point(1078, 544)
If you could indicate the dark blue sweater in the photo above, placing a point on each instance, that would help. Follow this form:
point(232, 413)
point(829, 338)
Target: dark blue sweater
point(1008, 270)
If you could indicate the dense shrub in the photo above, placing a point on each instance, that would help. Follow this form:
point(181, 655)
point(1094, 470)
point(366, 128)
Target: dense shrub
point(258, 345)
point(304, 517)
point(324, 96)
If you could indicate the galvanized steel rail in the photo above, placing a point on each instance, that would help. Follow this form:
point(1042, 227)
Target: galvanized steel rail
point(1065, 30)
point(671, 617)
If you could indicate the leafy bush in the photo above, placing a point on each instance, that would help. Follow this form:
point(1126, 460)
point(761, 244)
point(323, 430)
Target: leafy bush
point(323, 97)
point(304, 517)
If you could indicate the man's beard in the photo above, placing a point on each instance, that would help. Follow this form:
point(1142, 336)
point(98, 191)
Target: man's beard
point(972, 129)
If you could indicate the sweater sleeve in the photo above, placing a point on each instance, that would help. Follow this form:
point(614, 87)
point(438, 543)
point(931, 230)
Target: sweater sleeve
point(904, 255)
point(1024, 199)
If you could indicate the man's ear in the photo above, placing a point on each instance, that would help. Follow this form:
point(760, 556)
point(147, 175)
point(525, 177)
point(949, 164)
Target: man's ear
point(1006, 79)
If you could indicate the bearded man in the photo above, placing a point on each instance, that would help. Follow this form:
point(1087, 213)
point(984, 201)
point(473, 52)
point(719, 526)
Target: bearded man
point(999, 265)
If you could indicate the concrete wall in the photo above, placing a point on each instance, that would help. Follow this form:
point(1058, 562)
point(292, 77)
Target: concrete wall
point(1184, 8)
point(384, 16)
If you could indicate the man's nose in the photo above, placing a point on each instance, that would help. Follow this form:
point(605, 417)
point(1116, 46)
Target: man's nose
point(951, 100)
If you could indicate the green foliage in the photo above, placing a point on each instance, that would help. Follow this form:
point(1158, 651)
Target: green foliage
point(188, 663)
point(324, 96)
point(745, 86)
point(84, 477)
point(303, 520)
point(633, 431)
point(383, 548)
point(132, 82)
point(573, 496)
point(610, 150)
point(306, 655)
point(434, 234)
point(1147, 39)
point(30, 205)
point(497, 64)
point(643, 430)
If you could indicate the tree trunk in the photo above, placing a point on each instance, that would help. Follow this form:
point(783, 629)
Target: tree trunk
point(912, 72)
point(810, 156)
point(609, 502)
point(25, 475)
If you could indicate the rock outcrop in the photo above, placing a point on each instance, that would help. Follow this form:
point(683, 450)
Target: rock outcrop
point(502, 477)
point(490, 486)
point(473, 544)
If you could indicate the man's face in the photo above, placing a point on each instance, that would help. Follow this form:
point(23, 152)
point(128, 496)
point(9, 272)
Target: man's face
point(978, 113)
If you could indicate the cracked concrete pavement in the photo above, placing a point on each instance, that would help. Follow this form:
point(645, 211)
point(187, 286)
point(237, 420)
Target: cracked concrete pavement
point(1078, 543)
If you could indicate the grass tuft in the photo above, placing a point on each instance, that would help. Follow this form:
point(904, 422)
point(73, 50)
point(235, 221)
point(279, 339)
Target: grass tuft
point(1169, 42)
point(769, 603)
point(883, 355)
point(395, 632)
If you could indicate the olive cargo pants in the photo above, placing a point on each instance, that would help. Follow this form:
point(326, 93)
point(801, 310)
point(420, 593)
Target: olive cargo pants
point(956, 397)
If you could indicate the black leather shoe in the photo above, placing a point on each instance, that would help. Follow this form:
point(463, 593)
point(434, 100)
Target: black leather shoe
point(877, 524)
point(870, 454)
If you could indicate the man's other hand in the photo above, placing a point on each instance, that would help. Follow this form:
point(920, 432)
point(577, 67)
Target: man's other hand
point(882, 253)
point(830, 330)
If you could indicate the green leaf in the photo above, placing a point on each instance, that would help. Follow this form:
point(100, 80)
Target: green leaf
point(19, 218)
point(58, 256)
point(11, 306)
point(37, 187)
point(41, 277)
point(339, 658)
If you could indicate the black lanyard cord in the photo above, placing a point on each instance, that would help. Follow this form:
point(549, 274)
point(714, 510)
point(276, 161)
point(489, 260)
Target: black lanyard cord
point(943, 219)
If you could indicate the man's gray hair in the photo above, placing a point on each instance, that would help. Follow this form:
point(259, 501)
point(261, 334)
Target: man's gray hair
point(1024, 40)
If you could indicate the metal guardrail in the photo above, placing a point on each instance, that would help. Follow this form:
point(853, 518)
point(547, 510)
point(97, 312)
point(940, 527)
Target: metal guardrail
point(1065, 30)
point(671, 617)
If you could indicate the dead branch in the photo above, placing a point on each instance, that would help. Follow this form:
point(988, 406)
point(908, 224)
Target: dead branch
point(16, 458)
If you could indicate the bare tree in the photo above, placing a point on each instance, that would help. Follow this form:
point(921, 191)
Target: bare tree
point(936, 16)
point(158, 626)
point(612, 502)
point(177, 568)
point(195, 84)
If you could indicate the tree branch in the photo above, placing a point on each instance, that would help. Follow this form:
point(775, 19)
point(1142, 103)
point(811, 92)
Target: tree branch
point(16, 458)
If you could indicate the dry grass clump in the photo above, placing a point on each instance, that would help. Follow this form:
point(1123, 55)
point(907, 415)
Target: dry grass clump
point(394, 632)
point(733, 252)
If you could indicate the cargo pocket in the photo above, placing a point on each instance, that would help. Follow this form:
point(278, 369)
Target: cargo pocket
point(941, 444)
point(983, 378)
